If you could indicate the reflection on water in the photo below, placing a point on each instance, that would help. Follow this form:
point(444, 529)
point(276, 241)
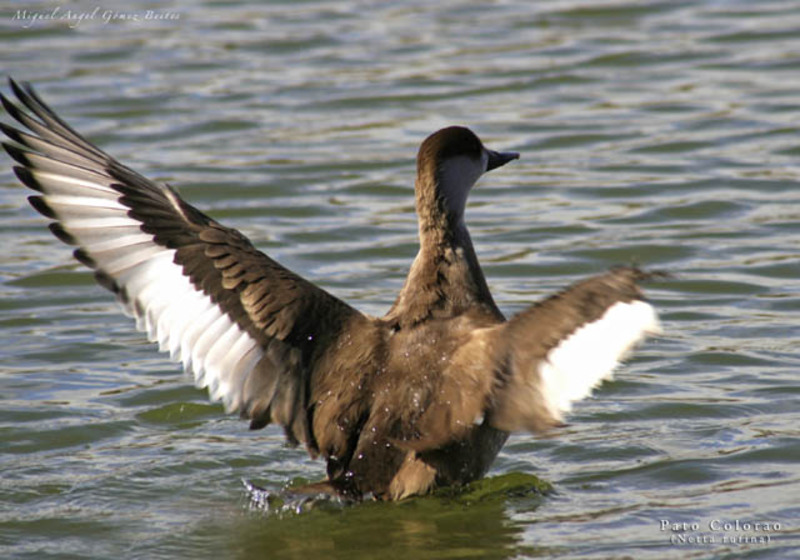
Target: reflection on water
point(664, 133)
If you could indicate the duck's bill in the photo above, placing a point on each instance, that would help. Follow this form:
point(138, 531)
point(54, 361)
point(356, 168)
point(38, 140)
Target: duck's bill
point(498, 159)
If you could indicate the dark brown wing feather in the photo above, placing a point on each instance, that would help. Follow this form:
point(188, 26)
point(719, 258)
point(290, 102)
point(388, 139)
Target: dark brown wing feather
point(291, 321)
point(521, 399)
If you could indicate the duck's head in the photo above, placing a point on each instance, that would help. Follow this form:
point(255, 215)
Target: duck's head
point(449, 163)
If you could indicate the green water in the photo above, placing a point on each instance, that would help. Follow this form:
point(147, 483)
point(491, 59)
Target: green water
point(664, 133)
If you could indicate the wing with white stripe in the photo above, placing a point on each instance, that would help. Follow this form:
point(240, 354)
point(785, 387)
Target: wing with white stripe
point(245, 326)
point(557, 351)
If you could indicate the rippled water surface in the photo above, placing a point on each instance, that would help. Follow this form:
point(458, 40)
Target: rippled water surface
point(664, 133)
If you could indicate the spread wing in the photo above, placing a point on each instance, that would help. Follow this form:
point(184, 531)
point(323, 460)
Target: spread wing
point(244, 325)
point(558, 350)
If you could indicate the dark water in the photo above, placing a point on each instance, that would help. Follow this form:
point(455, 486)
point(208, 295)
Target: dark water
point(664, 133)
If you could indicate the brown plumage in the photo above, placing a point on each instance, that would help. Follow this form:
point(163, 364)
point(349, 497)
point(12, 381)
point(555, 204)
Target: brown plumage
point(424, 396)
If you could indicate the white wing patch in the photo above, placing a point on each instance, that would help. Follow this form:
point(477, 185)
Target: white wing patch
point(590, 354)
point(167, 306)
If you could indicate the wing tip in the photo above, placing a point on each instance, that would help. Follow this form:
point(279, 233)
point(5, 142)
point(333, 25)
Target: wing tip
point(639, 274)
point(62, 234)
point(15, 87)
point(27, 178)
point(12, 109)
point(16, 153)
point(13, 133)
point(25, 93)
point(8, 105)
point(83, 257)
point(40, 205)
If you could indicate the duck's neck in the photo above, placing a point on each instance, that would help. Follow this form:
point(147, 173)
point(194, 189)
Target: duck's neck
point(445, 279)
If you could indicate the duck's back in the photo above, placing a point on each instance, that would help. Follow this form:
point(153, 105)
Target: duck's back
point(413, 415)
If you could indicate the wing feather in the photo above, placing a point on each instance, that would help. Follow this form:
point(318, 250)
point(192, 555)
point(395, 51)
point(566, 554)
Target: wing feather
point(245, 326)
point(558, 350)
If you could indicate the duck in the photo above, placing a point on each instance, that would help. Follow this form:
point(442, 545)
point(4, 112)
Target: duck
point(397, 406)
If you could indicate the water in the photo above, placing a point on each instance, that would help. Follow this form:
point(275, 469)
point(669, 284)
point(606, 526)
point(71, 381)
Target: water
point(664, 133)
